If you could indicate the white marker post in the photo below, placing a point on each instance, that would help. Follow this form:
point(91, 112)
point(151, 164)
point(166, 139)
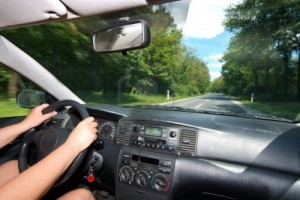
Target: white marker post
point(168, 94)
point(252, 97)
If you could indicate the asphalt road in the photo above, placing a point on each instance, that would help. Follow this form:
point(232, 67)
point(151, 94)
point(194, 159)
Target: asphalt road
point(211, 102)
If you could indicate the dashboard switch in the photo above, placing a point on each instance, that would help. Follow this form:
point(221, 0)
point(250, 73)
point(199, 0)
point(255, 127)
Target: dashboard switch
point(90, 178)
point(164, 170)
point(173, 134)
point(165, 163)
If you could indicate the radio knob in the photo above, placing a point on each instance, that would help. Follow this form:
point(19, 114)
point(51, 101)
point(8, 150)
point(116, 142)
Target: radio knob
point(142, 178)
point(173, 134)
point(126, 174)
point(160, 183)
point(135, 128)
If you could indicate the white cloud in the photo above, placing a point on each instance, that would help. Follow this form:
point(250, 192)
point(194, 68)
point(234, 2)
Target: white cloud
point(215, 57)
point(215, 65)
point(205, 17)
point(214, 75)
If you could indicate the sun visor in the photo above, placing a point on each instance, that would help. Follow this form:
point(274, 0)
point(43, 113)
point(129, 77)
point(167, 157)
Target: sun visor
point(17, 12)
point(93, 7)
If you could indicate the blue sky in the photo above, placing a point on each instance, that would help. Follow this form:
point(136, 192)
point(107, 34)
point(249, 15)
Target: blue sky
point(202, 25)
point(210, 50)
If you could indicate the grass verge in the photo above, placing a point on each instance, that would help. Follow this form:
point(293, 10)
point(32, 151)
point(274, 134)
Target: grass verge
point(8, 108)
point(127, 99)
point(287, 110)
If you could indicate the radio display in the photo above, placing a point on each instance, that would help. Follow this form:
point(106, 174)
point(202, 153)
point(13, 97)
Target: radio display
point(152, 131)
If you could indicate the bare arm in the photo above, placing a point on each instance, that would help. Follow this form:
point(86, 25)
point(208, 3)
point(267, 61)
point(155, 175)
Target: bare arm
point(35, 118)
point(38, 179)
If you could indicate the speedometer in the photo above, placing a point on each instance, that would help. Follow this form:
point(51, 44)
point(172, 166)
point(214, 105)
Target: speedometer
point(107, 130)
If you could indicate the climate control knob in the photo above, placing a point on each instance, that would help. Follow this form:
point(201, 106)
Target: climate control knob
point(142, 178)
point(160, 183)
point(126, 174)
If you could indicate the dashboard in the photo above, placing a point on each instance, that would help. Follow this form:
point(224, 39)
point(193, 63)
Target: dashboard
point(155, 154)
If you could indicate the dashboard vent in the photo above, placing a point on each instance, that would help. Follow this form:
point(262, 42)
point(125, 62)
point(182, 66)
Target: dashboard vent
point(125, 128)
point(187, 142)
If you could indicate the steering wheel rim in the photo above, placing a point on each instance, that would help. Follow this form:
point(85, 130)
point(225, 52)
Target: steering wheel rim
point(45, 136)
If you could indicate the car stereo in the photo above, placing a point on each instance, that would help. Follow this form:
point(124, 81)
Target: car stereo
point(154, 136)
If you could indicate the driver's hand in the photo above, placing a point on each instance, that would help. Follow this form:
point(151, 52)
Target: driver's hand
point(36, 117)
point(84, 134)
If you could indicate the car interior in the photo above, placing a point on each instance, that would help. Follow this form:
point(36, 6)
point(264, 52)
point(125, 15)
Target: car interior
point(146, 152)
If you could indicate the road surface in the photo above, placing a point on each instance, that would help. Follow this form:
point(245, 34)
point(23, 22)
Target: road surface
point(211, 102)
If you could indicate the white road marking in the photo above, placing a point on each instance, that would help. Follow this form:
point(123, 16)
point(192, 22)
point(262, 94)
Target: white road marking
point(198, 106)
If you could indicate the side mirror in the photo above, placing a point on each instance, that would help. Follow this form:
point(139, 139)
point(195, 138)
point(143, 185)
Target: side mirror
point(30, 98)
point(125, 36)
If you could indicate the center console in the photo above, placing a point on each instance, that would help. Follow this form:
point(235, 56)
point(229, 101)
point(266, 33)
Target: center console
point(147, 174)
point(147, 159)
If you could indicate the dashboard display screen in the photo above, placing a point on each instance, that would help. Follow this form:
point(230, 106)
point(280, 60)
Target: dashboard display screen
point(153, 131)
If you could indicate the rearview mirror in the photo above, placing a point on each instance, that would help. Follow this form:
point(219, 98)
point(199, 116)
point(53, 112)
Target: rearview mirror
point(125, 36)
point(30, 98)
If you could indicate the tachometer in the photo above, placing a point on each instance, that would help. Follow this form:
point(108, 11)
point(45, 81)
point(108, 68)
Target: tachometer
point(107, 130)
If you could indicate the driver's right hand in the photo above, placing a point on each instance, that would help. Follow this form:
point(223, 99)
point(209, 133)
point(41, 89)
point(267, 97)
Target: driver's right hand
point(83, 134)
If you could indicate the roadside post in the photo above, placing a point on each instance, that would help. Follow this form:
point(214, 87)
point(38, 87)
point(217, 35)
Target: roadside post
point(168, 94)
point(252, 97)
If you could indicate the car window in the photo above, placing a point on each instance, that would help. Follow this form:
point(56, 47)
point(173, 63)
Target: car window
point(231, 58)
point(10, 83)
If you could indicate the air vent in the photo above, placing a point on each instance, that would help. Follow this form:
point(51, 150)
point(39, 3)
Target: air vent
point(187, 142)
point(125, 128)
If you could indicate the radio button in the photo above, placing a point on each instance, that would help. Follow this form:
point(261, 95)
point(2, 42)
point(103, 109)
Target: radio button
point(155, 140)
point(165, 163)
point(126, 155)
point(125, 162)
point(134, 164)
point(170, 148)
point(164, 170)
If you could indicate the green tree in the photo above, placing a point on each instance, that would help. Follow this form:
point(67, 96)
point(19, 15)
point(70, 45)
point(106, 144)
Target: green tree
point(278, 20)
point(218, 85)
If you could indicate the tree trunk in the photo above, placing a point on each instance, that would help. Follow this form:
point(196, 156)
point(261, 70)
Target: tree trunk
point(13, 85)
point(286, 73)
point(267, 79)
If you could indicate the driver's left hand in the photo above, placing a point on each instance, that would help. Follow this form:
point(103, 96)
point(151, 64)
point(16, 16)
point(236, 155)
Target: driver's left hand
point(36, 117)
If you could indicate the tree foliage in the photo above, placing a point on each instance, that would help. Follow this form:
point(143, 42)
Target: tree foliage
point(261, 55)
point(65, 49)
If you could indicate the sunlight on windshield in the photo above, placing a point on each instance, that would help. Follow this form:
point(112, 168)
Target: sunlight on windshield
point(203, 56)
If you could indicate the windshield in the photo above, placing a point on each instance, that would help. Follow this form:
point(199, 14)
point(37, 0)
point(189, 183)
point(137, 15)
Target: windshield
point(233, 57)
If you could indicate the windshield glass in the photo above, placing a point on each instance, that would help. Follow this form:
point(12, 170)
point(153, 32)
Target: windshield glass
point(233, 57)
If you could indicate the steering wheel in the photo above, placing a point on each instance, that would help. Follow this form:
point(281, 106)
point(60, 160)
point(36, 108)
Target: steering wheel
point(48, 139)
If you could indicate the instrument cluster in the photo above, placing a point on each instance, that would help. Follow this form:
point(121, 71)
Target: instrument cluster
point(106, 129)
